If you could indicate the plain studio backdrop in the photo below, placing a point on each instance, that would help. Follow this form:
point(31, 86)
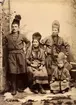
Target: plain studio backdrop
point(38, 15)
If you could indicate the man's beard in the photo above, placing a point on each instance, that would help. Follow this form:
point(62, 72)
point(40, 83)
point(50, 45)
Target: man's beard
point(54, 35)
point(61, 67)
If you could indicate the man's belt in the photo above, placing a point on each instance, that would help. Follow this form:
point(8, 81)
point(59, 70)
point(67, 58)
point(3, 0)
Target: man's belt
point(16, 50)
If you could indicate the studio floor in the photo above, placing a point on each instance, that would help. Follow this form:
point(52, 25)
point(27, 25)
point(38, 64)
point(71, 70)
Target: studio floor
point(36, 99)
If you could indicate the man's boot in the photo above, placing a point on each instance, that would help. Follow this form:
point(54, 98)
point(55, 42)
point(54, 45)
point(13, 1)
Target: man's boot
point(34, 89)
point(41, 90)
point(14, 89)
point(13, 83)
point(20, 84)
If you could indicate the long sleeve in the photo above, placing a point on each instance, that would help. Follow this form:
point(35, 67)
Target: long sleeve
point(68, 52)
point(43, 44)
point(54, 75)
point(67, 47)
point(27, 42)
point(47, 43)
point(28, 54)
point(43, 58)
point(66, 44)
point(43, 41)
point(4, 41)
point(68, 77)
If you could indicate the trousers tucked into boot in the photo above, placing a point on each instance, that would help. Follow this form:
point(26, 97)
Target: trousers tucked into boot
point(13, 83)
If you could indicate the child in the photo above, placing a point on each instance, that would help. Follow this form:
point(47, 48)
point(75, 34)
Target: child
point(60, 78)
point(62, 56)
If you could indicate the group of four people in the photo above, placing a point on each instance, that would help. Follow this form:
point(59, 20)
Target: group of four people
point(46, 61)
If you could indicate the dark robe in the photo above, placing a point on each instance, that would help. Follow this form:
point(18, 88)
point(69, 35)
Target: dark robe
point(38, 72)
point(16, 55)
point(58, 78)
point(53, 46)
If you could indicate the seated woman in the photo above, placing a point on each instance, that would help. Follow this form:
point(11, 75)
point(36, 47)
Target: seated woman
point(35, 57)
point(60, 79)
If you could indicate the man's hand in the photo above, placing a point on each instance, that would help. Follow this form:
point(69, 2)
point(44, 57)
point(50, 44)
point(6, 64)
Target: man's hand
point(51, 82)
point(64, 81)
point(41, 67)
point(33, 65)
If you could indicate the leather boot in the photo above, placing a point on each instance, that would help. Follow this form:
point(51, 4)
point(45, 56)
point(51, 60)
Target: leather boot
point(20, 83)
point(41, 90)
point(13, 83)
point(13, 88)
point(34, 89)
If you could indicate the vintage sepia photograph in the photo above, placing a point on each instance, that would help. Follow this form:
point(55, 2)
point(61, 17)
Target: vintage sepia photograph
point(37, 52)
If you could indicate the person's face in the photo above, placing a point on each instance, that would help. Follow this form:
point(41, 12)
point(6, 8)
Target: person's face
point(35, 43)
point(55, 31)
point(15, 28)
point(60, 64)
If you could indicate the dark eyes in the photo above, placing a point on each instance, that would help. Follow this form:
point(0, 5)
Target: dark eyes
point(14, 26)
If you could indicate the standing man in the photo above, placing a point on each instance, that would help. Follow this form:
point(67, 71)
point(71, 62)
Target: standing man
point(54, 44)
point(16, 57)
